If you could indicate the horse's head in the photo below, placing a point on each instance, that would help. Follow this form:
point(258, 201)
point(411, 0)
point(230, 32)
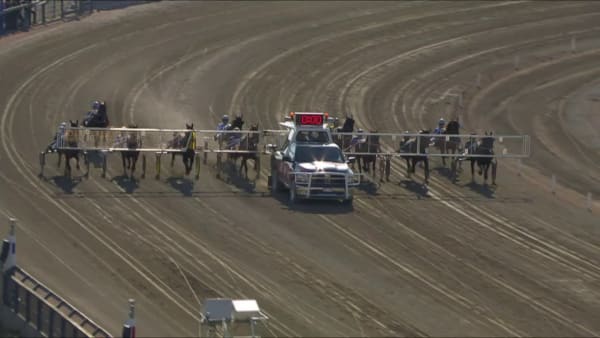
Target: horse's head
point(189, 126)
point(74, 123)
point(487, 141)
point(238, 122)
point(348, 124)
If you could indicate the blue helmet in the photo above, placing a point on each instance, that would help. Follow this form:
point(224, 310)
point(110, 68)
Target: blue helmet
point(225, 118)
point(96, 105)
point(441, 122)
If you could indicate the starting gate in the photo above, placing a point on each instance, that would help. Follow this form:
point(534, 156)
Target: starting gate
point(177, 141)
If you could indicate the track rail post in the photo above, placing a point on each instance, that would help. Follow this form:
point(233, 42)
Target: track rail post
point(157, 166)
point(197, 158)
point(104, 164)
point(42, 158)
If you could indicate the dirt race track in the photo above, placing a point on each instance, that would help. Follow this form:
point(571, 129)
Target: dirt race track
point(460, 260)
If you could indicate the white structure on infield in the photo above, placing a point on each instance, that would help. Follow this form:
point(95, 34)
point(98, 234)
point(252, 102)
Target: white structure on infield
point(222, 316)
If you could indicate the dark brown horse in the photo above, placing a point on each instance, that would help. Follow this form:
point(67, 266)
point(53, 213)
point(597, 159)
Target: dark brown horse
point(130, 156)
point(417, 147)
point(372, 147)
point(187, 143)
point(250, 143)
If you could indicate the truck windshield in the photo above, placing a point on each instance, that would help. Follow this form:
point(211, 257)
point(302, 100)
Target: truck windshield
point(326, 154)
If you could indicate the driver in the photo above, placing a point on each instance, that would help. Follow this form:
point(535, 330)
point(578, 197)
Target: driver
point(97, 115)
point(224, 122)
point(471, 145)
point(439, 129)
point(58, 137)
point(222, 126)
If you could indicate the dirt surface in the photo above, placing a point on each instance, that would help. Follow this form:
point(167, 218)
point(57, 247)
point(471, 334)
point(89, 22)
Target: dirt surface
point(460, 259)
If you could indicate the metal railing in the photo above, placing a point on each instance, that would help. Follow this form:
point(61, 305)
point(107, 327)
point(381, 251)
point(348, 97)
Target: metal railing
point(23, 14)
point(19, 15)
point(37, 305)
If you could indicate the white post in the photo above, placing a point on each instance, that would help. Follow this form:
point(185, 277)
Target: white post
point(516, 62)
point(573, 44)
point(129, 327)
point(589, 201)
point(11, 259)
point(252, 328)
point(553, 183)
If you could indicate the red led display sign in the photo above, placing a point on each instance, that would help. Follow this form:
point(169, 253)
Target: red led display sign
point(309, 119)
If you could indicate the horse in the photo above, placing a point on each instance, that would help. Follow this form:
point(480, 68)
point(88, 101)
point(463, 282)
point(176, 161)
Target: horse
point(248, 142)
point(130, 156)
point(187, 142)
point(485, 147)
point(238, 122)
point(251, 144)
point(344, 141)
point(408, 145)
point(453, 144)
point(97, 118)
point(372, 147)
point(70, 139)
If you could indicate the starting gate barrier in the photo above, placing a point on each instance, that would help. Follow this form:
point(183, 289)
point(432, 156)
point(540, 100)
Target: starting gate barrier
point(174, 141)
point(432, 145)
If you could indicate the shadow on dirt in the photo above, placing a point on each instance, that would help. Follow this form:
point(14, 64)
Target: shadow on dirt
point(419, 189)
point(65, 183)
point(126, 183)
point(182, 184)
point(482, 189)
point(231, 175)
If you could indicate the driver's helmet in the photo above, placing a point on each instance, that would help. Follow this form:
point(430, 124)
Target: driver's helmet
point(95, 105)
point(441, 122)
point(225, 119)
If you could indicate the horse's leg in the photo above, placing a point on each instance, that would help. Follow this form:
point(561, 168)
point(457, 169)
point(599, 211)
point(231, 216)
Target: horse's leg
point(486, 167)
point(124, 159)
point(172, 160)
point(494, 171)
point(184, 160)
point(244, 164)
point(472, 170)
point(67, 166)
point(59, 159)
point(77, 161)
point(188, 161)
point(443, 151)
point(132, 162)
